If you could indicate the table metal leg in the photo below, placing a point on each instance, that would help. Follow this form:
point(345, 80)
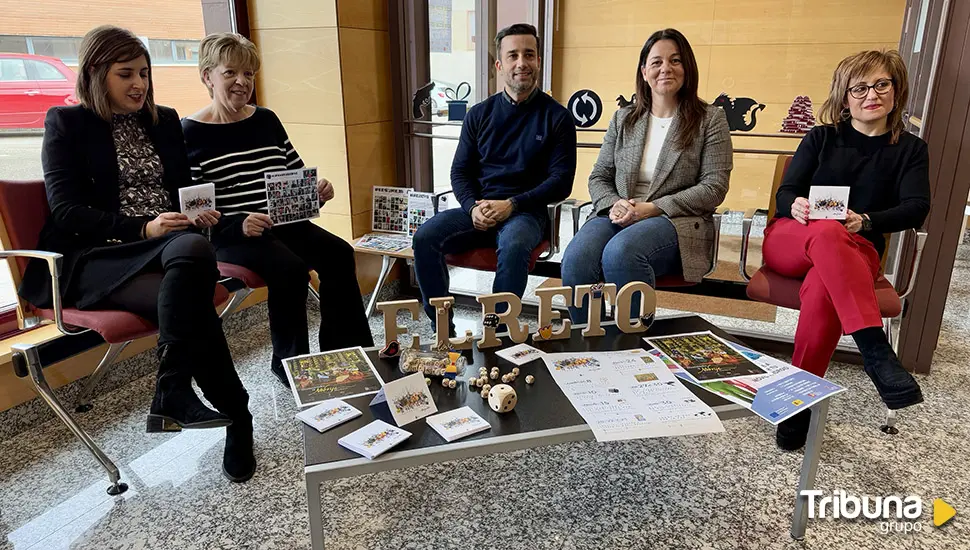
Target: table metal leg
point(314, 511)
point(806, 481)
point(387, 263)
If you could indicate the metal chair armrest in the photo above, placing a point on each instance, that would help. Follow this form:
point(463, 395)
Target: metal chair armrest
point(577, 208)
point(53, 260)
point(921, 237)
point(437, 197)
point(554, 211)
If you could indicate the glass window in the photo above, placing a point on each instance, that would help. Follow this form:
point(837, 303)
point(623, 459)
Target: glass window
point(12, 69)
point(65, 49)
point(186, 51)
point(39, 70)
point(13, 44)
point(161, 51)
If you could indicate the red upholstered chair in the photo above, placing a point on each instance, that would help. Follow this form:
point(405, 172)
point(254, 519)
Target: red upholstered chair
point(241, 281)
point(486, 259)
point(771, 288)
point(23, 211)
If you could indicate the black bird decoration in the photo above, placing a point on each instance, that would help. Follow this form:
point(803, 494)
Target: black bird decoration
point(621, 101)
point(422, 98)
point(737, 110)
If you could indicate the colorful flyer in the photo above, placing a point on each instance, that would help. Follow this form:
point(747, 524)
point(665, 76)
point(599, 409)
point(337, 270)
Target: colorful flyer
point(390, 210)
point(705, 357)
point(337, 374)
point(291, 195)
point(827, 202)
point(775, 396)
point(374, 439)
point(409, 399)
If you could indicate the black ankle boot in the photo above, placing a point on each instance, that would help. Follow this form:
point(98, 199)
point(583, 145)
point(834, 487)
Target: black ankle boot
point(176, 406)
point(238, 460)
point(792, 433)
point(277, 369)
point(897, 388)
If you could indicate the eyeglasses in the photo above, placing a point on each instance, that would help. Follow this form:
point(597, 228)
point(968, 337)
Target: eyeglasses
point(882, 87)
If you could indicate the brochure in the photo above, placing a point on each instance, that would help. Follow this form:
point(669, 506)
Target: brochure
point(519, 354)
point(458, 423)
point(197, 199)
point(409, 399)
point(328, 414)
point(374, 439)
point(291, 195)
point(337, 374)
point(704, 356)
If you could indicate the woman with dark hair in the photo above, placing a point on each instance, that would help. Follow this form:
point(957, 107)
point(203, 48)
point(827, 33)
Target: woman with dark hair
point(861, 144)
point(112, 167)
point(662, 171)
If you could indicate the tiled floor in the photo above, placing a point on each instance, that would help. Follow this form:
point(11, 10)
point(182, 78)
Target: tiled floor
point(725, 491)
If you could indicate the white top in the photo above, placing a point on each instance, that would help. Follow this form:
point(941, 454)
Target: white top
point(656, 134)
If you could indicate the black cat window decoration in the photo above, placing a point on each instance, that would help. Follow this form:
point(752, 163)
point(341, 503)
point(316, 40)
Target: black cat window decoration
point(421, 102)
point(738, 110)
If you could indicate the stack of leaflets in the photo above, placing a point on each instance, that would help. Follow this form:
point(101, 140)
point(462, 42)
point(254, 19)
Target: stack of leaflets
point(457, 424)
point(519, 354)
point(328, 414)
point(384, 242)
point(374, 439)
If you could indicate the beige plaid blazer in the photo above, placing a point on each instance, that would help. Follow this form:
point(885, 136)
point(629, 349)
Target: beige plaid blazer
point(688, 185)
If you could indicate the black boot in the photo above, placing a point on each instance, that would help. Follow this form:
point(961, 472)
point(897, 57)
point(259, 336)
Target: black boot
point(276, 366)
point(175, 405)
point(897, 388)
point(221, 386)
point(792, 433)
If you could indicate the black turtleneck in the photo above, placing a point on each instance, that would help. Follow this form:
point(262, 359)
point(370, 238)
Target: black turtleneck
point(889, 181)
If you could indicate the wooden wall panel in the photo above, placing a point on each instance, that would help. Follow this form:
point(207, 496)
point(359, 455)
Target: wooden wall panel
point(362, 14)
point(370, 150)
point(366, 75)
point(292, 14)
point(300, 75)
point(597, 23)
point(325, 147)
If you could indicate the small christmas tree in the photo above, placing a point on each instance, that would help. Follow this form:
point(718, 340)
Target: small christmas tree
point(800, 118)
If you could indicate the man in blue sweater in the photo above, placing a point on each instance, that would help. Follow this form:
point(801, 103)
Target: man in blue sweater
point(517, 154)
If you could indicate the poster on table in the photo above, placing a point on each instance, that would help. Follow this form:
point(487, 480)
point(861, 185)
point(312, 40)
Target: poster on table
point(390, 208)
point(338, 374)
point(775, 396)
point(704, 356)
point(420, 210)
point(629, 395)
point(291, 195)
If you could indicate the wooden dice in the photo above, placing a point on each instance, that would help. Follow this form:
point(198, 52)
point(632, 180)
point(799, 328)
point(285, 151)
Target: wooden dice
point(502, 398)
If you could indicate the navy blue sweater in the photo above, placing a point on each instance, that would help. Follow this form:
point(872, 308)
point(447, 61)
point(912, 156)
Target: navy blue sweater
point(525, 151)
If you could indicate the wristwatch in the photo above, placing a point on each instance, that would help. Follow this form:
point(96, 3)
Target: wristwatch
point(866, 223)
point(515, 205)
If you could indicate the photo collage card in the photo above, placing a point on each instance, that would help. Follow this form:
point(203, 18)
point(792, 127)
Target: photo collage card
point(291, 195)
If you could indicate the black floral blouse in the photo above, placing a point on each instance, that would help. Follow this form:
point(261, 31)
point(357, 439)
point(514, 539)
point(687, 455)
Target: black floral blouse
point(139, 169)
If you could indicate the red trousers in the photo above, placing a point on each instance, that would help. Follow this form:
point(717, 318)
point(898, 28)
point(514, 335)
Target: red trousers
point(838, 294)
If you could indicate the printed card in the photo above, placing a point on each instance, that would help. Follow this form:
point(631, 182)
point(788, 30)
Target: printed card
point(409, 399)
point(827, 202)
point(458, 423)
point(374, 439)
point(328, 414)
point(390, 210)
point(420, 210)
point(197, 199)
point(291, 195)
point(519, 354)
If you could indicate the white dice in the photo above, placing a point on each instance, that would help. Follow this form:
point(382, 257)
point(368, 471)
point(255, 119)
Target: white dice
point(502, 398)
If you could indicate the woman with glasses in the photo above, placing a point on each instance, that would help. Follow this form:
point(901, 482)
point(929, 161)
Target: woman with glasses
point(861, 144)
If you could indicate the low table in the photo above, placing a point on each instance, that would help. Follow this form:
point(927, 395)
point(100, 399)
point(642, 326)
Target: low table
point(543, 416)
point(388, 259)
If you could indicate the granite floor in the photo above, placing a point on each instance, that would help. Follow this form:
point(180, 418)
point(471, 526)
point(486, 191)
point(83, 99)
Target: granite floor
point(726, 491)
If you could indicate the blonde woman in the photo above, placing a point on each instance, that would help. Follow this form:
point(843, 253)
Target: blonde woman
point(861, 144)
point(233, 145)
point(112, 168)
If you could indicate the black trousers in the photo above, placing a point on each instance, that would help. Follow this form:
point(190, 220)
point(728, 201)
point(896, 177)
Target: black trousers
point(283, 256)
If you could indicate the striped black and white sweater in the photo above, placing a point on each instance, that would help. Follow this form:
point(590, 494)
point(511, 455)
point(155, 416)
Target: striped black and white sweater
point(235, 157)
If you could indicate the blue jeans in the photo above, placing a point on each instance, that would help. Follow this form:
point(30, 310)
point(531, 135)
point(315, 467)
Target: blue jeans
point(605, 252)
point(452, 232)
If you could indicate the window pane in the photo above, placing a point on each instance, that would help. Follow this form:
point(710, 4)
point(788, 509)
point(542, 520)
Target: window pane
point(65, 49)
point(44, 71)
point(13, 44)
point(161, 51)
point(12, 69)
point(186, 51)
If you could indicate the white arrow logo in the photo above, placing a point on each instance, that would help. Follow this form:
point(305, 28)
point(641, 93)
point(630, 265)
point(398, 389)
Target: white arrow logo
point(582, 118)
